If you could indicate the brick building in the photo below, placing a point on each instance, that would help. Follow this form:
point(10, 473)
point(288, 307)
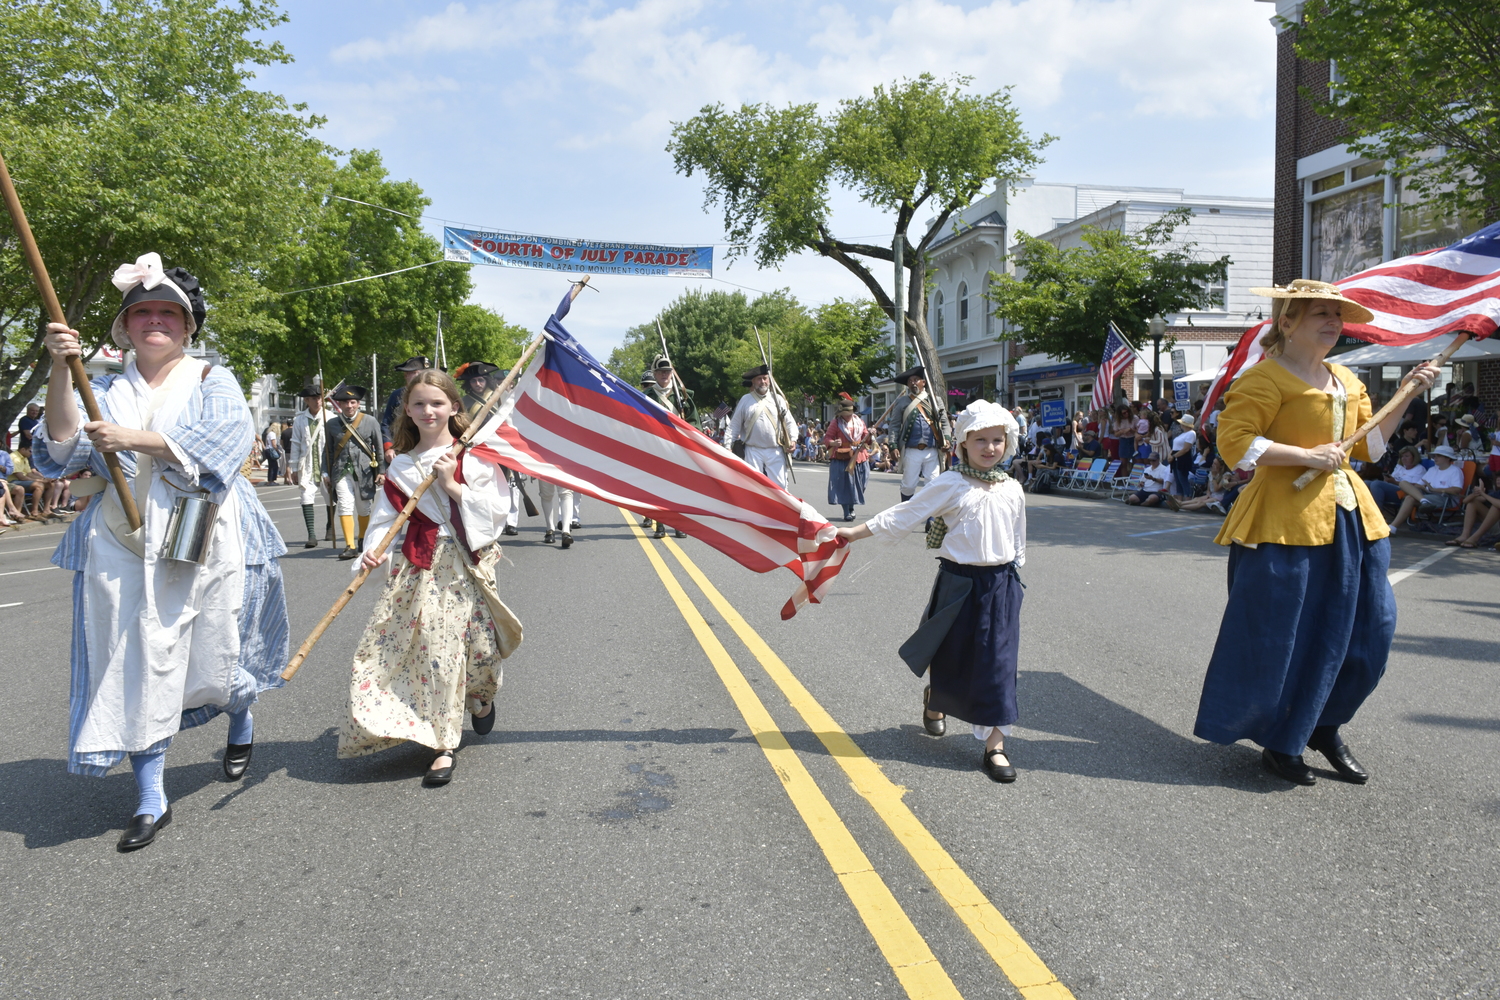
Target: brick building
point(1336, 212)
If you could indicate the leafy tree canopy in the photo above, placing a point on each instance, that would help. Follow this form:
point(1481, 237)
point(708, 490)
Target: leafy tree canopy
point(128, 127)
point(1418, 77)
point(919, 145)
point(1061, 301)
point(475, 333)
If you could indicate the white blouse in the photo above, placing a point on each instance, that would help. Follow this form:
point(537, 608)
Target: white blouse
point(481, 507)
point(986, 521)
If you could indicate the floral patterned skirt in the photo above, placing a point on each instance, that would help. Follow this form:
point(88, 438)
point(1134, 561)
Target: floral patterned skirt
point(429, 652)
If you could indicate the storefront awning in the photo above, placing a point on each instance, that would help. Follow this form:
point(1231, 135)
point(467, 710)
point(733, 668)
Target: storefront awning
point(1411, 354)
point(1043, 372)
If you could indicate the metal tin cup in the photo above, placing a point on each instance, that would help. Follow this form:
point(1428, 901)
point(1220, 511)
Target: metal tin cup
point(189, 530)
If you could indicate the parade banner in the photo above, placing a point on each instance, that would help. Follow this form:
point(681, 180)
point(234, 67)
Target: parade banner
point(475, 246)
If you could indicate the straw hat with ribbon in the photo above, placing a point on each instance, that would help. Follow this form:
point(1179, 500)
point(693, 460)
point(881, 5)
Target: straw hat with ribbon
point(1303, 288)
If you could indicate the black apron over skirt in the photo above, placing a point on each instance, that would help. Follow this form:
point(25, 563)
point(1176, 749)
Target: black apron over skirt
point(969, 638)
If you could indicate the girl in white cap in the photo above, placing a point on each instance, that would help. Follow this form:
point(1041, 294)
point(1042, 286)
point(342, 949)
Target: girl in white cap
point(970, 631)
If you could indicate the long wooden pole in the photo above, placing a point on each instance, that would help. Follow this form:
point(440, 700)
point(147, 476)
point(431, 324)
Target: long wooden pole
point(75, 364)
point(786, 449)
point(411, 505)
point(1403, 396)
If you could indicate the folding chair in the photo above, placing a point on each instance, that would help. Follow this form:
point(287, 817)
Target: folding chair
point(1123, 486)
point(1097, 471)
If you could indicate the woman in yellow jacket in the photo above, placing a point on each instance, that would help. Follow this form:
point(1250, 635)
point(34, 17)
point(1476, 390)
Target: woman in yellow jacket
point(1310, 618)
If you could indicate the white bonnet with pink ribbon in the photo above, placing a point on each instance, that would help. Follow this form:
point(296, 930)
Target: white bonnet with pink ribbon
point(146, 280)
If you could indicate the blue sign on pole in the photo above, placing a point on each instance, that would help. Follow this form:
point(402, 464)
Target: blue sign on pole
point(1054, 412)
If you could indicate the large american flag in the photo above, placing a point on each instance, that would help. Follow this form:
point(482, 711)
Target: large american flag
point(1414, 298)
point(570, 421)
point(1117, 354)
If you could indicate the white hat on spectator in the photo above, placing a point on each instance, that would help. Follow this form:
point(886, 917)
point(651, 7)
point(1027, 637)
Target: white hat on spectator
point(1444, 451)
point(981, 415)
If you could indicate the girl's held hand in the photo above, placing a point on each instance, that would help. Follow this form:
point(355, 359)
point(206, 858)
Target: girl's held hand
point(370, 560)
point(62, 342)
point(1327, 457)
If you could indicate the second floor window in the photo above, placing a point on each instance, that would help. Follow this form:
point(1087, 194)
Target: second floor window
point(963, 311)
point(937, 320)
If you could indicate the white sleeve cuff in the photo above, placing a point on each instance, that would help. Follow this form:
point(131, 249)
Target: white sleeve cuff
point(1252, 454)
point(181, 460)
point(1375, 442)
point(61, 451)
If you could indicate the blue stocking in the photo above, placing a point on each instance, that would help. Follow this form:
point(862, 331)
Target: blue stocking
point(149, 768)
point(241, 727)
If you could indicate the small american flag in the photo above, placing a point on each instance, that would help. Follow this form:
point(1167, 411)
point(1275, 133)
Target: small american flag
point(1117, 354)
point(573, 423)
point(720, 412)
point(1414, 298)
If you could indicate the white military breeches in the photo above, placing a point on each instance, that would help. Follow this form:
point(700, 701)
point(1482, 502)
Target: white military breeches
point(346, 496)
point(557, 505)
point(310, 489)
point(918, 467)
point(770, 462)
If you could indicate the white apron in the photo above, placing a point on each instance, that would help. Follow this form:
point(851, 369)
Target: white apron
point(163, 636)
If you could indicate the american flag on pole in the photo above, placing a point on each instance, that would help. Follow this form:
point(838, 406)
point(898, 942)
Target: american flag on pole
point(1414, 298)
point(1117, 354)
point(571, 422)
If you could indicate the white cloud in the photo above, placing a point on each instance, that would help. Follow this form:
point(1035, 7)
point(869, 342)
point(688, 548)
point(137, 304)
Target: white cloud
point(457, 29)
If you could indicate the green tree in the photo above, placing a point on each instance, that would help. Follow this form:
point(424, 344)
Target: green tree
point(920, 145)
point(840, 348)
point(475, 333)
point(711, 337)
point(365, 225)
point(1415, 76)
point(129, 127)
point(1061, 301)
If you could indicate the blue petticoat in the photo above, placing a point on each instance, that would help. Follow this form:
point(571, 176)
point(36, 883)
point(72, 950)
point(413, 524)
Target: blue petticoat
point(1304, 640)
point(845, 488)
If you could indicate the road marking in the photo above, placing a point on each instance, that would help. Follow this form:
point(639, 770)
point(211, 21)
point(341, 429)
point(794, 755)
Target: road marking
point(13, 604)
point(898, 939)
point(18, 572)
point(35, 534)
point(16, 552)
point(1168, 531)
point(1396, 576)
point(994, 933)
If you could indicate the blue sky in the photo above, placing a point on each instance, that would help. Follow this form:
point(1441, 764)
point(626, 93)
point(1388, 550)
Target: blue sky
point(551, 116)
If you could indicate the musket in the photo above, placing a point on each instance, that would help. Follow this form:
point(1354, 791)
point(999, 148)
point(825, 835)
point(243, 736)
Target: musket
point(483, 413)
point(766, 359)
point(1403, 396)
point(323, 423)
point(75, 364)
point(676, 382)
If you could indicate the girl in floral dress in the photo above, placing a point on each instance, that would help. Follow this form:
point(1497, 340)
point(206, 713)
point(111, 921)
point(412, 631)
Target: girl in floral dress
point(439, 632)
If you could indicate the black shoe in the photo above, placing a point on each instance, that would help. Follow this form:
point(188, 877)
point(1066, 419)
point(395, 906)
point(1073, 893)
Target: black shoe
point(349, 553)
point(1286, 766)
point(574, 524)
point(311, 543)
point(236, 759)
point(661, 530)
point(567, 540)
point(1337, 752)
point(678, 533)
point(436, 776)
point(510, 529)
point(934, 727)
point(848, 517)
point(549, 536)
point(141, 831)
point(482, 726)
point(328, 534)
point(647, 523)
point(997, 765)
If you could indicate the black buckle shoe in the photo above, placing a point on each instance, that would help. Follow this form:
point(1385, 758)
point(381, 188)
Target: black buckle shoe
point(510, 529)
point(142, 831)
point(1289, 767)
point(549, 536)
point(1343, 761)
point(311, 543)
point(678, 533)
point(934, 727)
point(661, 530)
point(997, 765)
point(236, 759)
point(348, 553)
point(567, 540)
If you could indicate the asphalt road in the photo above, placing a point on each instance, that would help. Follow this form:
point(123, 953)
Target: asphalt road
point(626, 832)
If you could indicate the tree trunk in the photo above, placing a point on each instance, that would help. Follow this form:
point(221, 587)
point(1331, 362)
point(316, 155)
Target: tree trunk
point(916, 329)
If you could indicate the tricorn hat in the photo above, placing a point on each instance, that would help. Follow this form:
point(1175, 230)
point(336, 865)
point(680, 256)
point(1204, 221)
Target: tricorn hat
point(911, 373)
point(475, 369)
point(1303, 288)
point(146, 281)
point(846, 404)
point(347, 392)
point(754, 372)
point(420, 362)
point(311, 388)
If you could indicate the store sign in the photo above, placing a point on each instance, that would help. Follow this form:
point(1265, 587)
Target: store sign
point(1051, 392)
point(963, 362)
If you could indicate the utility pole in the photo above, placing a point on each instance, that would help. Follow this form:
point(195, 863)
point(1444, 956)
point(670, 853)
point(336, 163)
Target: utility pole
point(898, 247)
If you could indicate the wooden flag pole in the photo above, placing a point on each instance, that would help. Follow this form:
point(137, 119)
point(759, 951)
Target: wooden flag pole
point(1403, 396)
point(75, 364)
point(411, 505)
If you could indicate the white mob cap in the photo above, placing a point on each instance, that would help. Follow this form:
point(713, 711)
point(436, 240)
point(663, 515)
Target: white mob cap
point(981, 415)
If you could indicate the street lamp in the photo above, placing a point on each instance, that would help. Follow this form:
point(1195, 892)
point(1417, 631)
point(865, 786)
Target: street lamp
point(1158, 328)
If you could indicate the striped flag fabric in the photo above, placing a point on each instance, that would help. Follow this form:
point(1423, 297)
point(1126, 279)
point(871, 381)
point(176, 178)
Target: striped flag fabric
point(1117, 355)
point(570, 421)
point(1414, 298)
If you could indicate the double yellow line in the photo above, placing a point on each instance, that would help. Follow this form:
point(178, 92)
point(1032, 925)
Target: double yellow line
point(903, 946)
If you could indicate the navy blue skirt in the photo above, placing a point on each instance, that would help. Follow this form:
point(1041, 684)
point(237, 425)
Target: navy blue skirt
point(973, 670)
point(1304, 640)
point(845, 488)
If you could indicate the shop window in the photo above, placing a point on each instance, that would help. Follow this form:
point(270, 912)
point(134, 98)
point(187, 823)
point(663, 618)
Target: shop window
point(1328, 183)
point(937, 320)
point(963, 311)
point(1347, 232)
point(1421, 226)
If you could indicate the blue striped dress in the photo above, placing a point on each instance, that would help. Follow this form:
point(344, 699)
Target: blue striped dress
point(215, 431)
